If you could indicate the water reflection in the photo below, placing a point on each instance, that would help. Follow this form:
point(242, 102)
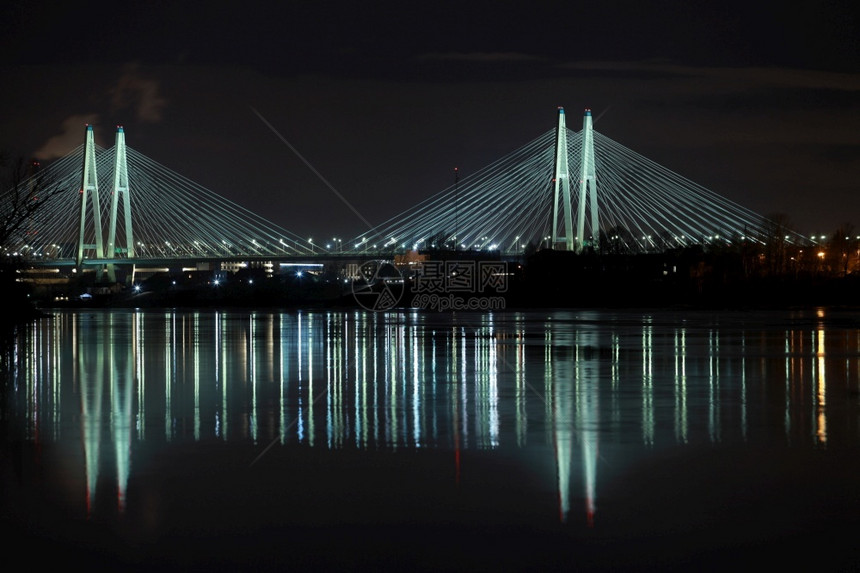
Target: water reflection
point(573, 384)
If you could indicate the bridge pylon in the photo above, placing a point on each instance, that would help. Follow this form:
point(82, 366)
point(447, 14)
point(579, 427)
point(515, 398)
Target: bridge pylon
point(90, 189)
point(561, 186)
point(587, 187)
point(120, 191)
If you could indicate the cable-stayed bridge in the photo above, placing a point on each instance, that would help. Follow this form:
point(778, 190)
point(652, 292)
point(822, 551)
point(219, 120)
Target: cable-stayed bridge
point(564, 190)
point(572, 191)
point(116, 205)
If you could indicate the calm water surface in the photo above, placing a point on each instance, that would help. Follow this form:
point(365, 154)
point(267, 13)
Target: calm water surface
point(557, 440)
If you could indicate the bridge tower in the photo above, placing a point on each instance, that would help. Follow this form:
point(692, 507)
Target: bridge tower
point(120, 191)
point(561, 185)
point(587, 186)
point(90, 187)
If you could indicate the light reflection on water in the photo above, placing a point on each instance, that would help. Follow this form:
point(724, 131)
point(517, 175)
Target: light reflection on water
point(580, 386)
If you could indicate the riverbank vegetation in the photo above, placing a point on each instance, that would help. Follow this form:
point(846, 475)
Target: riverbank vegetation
point(740, 275)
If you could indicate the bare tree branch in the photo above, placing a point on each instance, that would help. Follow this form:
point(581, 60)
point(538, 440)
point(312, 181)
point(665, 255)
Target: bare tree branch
point(28, 189)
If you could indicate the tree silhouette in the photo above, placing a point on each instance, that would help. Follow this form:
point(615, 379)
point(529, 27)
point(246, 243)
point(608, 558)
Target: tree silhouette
point(776, 229)
point(28, 189)
point(841, 249)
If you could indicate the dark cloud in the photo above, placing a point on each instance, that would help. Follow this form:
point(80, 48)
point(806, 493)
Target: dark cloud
point(139, 94)
point(71, 137)
point(480, 57)
point(756, 101)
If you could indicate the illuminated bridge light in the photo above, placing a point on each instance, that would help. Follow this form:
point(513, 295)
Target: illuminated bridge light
point(656, 200)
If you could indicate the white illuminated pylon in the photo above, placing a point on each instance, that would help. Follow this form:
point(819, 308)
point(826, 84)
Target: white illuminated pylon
point(561, 185)
point(587, 192)
point(90, 187)
point(120, 190)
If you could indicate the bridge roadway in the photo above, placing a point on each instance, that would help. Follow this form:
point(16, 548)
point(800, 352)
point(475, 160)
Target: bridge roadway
point(297, 259)
point(174, 261)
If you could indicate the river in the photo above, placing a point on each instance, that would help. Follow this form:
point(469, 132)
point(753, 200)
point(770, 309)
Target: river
point(504, 441)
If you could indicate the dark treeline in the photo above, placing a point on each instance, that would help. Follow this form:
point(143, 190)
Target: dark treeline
point(736, 275)
point(746, 274)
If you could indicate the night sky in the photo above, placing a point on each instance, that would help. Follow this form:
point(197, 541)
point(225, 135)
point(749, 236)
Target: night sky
point(759, 102)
